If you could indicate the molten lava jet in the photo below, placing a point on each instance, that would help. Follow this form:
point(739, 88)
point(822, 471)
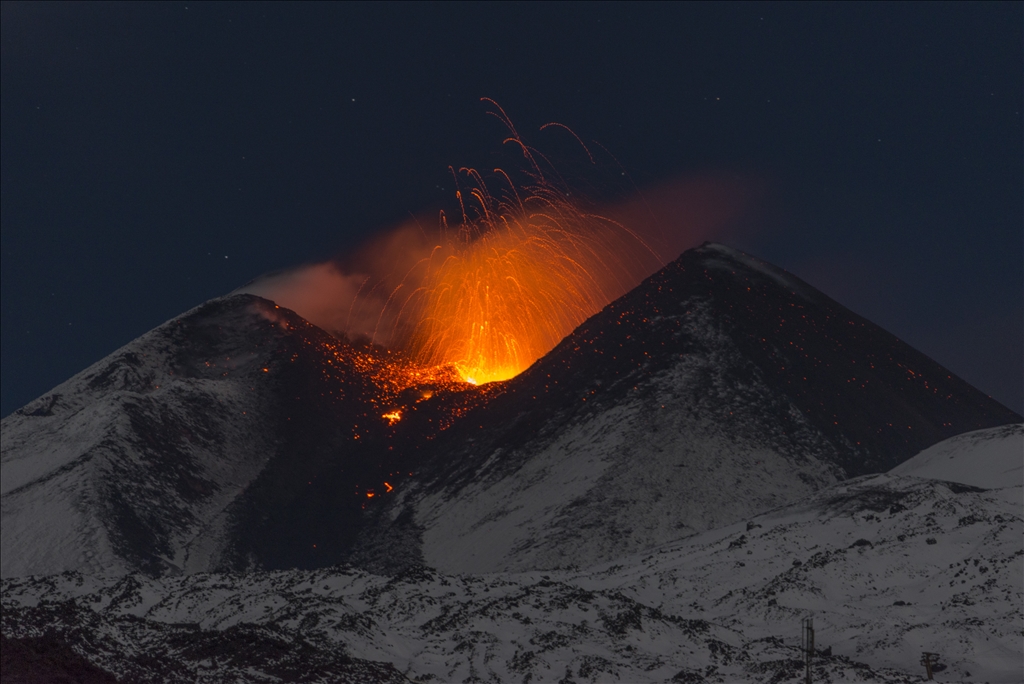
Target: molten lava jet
point(413, 332)
point(524, 267)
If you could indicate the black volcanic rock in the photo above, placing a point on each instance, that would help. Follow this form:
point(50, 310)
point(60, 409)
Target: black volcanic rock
point(238, 653)
point(47, 659)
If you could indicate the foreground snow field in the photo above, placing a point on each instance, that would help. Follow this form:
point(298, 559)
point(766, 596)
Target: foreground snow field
point(889, 565)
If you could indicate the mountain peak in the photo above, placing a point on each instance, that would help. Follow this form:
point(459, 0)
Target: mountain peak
point(719, 387)
point(239, 435)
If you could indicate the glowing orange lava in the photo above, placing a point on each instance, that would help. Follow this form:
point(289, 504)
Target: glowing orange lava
point(520, 272)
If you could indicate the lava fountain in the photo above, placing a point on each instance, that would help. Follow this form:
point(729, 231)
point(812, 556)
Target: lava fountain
point(523, 268)
point(485, 296)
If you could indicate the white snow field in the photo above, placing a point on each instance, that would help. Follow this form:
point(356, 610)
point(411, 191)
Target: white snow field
point(992, 459)
point(888, 565)
point(130, 434)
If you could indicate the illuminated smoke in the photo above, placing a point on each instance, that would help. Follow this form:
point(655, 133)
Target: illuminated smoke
point(524, 266)
point(519, 273)
point(347, 298)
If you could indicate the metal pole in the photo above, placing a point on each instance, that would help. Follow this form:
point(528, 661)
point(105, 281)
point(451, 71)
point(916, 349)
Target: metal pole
point(928, 659)
point(807, 642)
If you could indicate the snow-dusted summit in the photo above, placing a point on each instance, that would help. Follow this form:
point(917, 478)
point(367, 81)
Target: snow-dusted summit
point(183, 450)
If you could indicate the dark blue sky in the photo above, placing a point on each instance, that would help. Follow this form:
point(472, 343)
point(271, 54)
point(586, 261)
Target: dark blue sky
point(144, 143)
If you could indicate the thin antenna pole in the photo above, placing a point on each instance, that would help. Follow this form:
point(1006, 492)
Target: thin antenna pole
point(807, 642)
point(929, 660)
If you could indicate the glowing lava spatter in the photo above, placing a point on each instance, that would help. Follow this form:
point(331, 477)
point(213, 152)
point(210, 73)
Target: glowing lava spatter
point(520, 272)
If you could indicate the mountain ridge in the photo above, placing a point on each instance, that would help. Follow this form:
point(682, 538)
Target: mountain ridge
point(239, 436)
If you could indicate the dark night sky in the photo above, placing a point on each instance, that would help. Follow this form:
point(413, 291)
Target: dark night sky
point(144, 143)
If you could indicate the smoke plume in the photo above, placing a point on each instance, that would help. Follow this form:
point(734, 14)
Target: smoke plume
point(366, 294)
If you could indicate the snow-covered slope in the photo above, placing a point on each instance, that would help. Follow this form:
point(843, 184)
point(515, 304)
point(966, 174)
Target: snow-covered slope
point(128, 464)
point(889, 566)
point(651, 467)
point(719, 388)
point(992, 458)
point(169, 455)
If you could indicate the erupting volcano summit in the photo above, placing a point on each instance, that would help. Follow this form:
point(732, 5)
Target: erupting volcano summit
point(240, 436)
point(704, 451)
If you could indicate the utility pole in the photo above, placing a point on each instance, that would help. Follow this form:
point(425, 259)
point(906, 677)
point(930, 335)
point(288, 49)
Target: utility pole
point(929, 660)
point(807, 639)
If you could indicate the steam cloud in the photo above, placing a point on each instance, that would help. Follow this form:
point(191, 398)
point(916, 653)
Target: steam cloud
point(348, 296)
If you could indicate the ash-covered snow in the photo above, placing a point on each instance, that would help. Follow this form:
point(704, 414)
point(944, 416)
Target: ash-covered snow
point(720, 388)
point(992, 458)
point(889, 566)
point(725, 259)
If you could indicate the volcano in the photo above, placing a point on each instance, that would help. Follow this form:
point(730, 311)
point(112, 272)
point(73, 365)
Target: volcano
point(663, 496)
point(719, 388)
point(214, 437)
point(238, 436)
